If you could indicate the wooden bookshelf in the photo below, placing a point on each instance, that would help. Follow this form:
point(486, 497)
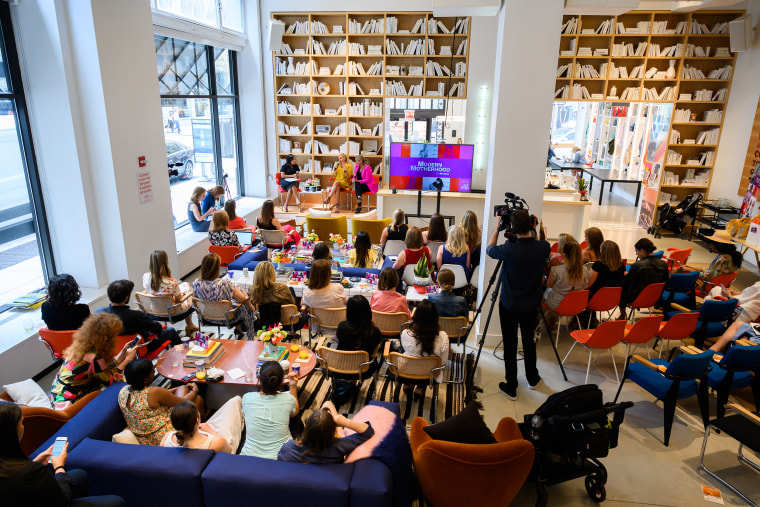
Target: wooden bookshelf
point(692, 50)
point(305, 33)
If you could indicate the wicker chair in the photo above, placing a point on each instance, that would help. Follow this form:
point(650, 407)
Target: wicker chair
point(455, 327)
point(274, 239)
point(216, 313)
point(389, 323)
point(414, 370)
point(162, 308)
point(343, 364)
point(325, 319)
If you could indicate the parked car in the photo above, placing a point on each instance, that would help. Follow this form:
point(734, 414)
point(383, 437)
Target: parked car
point(180, 159)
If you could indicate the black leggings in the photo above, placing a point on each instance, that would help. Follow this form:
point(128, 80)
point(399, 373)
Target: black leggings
point(361, 188)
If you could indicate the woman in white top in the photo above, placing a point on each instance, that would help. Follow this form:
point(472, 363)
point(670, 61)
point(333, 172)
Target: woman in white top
point(159, 282)
point(190, 433)
point(424, 338)
point(320, 293)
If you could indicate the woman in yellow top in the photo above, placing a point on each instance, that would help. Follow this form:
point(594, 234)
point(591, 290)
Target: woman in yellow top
point(362, 255)
point(342, 174)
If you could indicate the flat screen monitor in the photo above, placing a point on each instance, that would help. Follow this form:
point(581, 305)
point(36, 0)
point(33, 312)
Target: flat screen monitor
point(444, 167)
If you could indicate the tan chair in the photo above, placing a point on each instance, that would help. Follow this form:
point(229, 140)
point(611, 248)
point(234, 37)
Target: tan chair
point(162, 308)
point(273, 239)
point(325, 319)
point(389, 323)
point(415, 370)
point(324, 226)
point(455, 327)
point(216, 313)
point(394, 247)
point(372, 227)
point(344, 364)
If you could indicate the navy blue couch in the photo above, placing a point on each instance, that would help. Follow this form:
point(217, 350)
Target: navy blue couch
point(251, 259)
point(146, 475)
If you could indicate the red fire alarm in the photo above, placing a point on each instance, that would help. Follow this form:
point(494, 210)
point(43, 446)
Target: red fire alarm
point(141, 161)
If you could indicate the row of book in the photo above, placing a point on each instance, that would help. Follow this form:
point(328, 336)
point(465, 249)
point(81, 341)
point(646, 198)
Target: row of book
point(710, 116)
point(697, 28)
point(624, 49)
point(707, 95)
point(577, 91)
point(667, 93)
point(436, 69)
point(357, 69)
point(365, 108)
point(675, 50)
point(661, 27)
point(398, 88)
point(690, 72)
point(369, 26)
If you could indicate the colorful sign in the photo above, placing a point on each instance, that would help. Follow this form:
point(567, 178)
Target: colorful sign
point(437, 167)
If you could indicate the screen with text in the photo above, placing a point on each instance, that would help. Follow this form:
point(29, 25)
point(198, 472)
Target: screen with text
point(436, 167)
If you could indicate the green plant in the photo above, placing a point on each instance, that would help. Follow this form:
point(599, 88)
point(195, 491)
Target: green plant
point(582, 185)
point(421, 270)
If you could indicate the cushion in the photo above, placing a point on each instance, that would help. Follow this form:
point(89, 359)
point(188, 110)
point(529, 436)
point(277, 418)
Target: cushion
point(28, 393)
point(656, 384)
point(125, 437)
point(382, 421)
point(467, 427)
point(370, 215)
point(228, 421)
point(320, 213)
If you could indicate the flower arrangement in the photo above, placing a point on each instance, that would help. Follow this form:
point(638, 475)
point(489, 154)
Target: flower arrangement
point(280, 257)
point(310, 181)
point(312, 236)
point(337, 239)
point(273, 335)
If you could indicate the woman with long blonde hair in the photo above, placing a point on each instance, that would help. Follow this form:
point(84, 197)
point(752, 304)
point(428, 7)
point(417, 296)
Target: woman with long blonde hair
point(159, 282)
point(564, 238)
point(471, 229)
point(569, 276)
point(455, 251)
point(89, 362)
point(343, 173)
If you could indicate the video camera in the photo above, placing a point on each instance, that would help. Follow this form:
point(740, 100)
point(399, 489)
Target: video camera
point(512, 202)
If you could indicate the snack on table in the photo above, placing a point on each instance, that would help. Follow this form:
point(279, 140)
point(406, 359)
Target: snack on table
point(294, 348)
point(304, 354)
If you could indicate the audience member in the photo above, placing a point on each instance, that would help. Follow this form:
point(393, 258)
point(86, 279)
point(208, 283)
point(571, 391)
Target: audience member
point(194, 215)
point(414, 251)
point(159, 282)
point(594, 238)
point(321, 251)
point(135, 321)
point(569, 276)
point(320, 293)
point(219, 233)
point(365, 180)
point(268, 412)
point(269, 222)
point(726, 262)
point(522, 269)
point(266, 289)
point(289, 181)
point(145, 407)
point(425, 338)
point(358, 332)
point(236, 222)
point(61, 312)
point(385, 298)
point(190, 433)
point(398, 228)
point(89, 362)
point(564, 238)
point(343, 173)
point(31, 482)
point(577, 157)
point(645, 271)
point(362, 255)
point(209, 200)
point(608, 271)
point(472, 236)
point(320, 444)
point(748, 313)
point(210, 287)
point(455, 250)
point(446, 303)
point(436, 230)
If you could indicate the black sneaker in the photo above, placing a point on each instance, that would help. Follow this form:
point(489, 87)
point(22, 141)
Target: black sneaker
point(358, 210)
point(508, 391)
point(536, 384)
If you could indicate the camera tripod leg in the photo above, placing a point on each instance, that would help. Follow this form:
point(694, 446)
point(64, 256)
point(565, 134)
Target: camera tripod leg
point(556, 354)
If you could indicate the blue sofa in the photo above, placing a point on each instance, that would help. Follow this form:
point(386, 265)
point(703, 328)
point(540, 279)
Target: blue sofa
point(251, 259)
point(146, 475)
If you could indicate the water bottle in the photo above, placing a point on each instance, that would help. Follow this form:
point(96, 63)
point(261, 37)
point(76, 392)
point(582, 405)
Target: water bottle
point(535, 427)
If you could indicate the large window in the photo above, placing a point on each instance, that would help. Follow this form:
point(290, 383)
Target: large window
point(200, 105)
point(25, 259)
point(221, 14)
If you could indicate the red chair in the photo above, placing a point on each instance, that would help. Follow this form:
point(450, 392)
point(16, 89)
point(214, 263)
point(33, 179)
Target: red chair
point(367, 194)
point(141, 353)
point(677, 258)
point(583, 245)
point(570, 306)
point(606, 336)
point(350, 192)
point(717, 281)
point(555, 247)
point(641, 332)
point(56, 341)
point(280, 190)
point(604, 300)
point(679, 326)
point(647, 298)
point(227, 254)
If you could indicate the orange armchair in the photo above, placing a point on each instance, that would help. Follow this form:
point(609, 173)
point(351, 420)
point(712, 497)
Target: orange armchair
point(42, 423)
point(493, 473)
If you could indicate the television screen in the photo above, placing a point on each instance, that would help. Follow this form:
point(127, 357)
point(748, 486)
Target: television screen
point(444, 167)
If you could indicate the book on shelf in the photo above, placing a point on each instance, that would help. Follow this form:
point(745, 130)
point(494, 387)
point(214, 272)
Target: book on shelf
point(391, 24)
point(337, 29)
point(462, 48)
point(417, 70)
point(570, 26)
point(419, 26)
point(374, 49)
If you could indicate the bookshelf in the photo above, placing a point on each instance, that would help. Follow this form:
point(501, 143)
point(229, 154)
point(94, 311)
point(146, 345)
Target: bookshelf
point(656, 57)
point(332, 79)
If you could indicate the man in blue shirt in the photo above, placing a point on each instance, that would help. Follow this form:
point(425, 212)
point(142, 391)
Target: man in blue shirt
point(521, 274)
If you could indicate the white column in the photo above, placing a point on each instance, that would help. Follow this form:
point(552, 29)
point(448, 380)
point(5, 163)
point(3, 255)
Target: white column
point(526, 62)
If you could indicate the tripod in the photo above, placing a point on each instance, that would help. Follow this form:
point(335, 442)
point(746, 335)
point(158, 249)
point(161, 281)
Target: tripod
point(494, 296)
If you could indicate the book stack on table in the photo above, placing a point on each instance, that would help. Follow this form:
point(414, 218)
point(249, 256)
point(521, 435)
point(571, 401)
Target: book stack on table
point(209, 356)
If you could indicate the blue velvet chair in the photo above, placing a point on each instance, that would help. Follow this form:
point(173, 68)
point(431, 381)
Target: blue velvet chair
point(714, 318)
point(680, 289)
point(738, 368)
point(678, 381)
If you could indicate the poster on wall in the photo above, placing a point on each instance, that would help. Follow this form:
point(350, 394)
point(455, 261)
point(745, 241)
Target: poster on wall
point(750, 181)
point(655, 146)
point(750, 204)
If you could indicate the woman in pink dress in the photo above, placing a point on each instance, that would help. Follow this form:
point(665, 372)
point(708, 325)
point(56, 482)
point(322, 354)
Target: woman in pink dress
point(365, 180)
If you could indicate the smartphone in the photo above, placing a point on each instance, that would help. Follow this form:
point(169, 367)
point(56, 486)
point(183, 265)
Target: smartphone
point(188, 378)
point(60, 443)
point(134, 342)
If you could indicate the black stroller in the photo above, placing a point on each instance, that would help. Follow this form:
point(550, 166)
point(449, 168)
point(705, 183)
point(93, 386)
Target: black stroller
point(570, 431)
point(677, 218)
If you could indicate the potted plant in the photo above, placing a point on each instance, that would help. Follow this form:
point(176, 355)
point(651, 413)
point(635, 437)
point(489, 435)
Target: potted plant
point(583, 189)
point(271, 337)
point(422, 273)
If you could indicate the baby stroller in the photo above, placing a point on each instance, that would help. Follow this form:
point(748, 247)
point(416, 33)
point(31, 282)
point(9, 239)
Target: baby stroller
point(571, 431)
point(676, 219)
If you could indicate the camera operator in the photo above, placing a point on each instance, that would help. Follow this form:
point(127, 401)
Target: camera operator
point(521, 290)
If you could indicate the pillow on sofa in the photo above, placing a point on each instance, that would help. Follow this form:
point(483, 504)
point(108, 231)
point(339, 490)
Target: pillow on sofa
point(370, 215)
point(28, 393)
point(320, 213)
point(381, 420)
point(125, 437)
point(467, 427)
